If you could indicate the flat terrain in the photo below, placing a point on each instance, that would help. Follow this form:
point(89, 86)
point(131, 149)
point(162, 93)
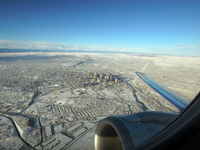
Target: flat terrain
point(54, 100)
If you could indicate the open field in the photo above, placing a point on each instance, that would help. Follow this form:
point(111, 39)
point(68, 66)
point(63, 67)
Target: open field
point(54, 100)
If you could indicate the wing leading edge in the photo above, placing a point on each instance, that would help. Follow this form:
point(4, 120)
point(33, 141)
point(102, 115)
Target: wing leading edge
point(178, 101)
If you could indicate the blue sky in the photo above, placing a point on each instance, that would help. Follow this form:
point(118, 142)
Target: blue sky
point(164, 26)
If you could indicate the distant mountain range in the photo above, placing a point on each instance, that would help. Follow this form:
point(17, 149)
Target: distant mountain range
point(7, 50)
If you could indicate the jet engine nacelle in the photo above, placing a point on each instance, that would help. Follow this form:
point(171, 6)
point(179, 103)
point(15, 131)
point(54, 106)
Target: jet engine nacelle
point(130, 131)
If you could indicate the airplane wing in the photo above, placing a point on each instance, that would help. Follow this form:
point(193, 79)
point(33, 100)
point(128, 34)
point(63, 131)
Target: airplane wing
point(177, 100)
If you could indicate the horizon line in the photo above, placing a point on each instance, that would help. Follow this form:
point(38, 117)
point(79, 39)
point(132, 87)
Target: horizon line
point(24, 50)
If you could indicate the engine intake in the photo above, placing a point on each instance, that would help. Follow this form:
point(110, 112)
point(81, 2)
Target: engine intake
point(129, 131)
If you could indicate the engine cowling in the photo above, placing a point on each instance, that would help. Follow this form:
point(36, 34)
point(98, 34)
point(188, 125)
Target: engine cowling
point(127, 132)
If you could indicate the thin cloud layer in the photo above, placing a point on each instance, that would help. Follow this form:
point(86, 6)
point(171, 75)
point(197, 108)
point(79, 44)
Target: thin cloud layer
point(45, 46)
point(179, 49)
point(38, 45)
